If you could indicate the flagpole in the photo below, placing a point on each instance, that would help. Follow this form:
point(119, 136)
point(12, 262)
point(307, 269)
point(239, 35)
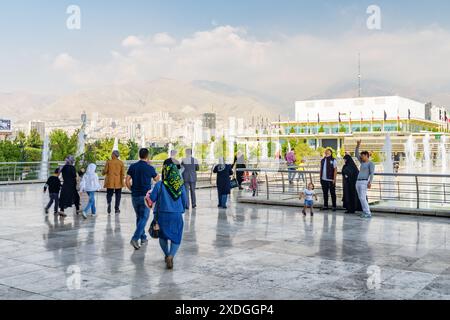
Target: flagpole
point(371, 123)
point(350, 123)
point(360, 123)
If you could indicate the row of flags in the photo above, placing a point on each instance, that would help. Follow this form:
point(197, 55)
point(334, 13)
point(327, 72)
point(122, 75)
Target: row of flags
point(442, 116)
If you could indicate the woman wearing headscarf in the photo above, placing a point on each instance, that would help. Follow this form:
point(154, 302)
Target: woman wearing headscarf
point(69, 194)
point(349, 177)
point(224, 171)
point(170, 197)
point(239, 163)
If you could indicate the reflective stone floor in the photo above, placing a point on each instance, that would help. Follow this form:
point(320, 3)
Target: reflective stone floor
point(246, 252)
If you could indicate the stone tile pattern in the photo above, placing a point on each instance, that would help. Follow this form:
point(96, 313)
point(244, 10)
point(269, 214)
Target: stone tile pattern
point(246, 252)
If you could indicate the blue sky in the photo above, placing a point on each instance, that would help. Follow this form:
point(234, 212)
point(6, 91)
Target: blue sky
point(39, 25)
point(32, 29)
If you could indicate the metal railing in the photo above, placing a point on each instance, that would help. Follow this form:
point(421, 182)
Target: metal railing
point(405, 190)
point(30, 171)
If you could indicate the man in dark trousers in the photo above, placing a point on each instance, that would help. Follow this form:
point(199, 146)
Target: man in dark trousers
point(328, 174)
point(190, 167)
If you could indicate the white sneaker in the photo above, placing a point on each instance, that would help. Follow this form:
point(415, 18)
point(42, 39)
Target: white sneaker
point(84, 214)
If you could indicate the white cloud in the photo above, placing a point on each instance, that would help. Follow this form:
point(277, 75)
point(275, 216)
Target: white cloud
point(132, 41)
point(290, 67)
point(163, 39)
point(64, 61)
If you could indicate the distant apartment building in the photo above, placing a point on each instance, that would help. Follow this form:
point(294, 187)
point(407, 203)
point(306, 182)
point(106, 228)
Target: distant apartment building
point(209, 121)
point(39, 126)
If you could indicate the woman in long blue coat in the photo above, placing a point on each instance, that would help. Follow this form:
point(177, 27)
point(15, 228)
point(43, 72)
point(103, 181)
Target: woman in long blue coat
point(223, 182)
point(170, 197)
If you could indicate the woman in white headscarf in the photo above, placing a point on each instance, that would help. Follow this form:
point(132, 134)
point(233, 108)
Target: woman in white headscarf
point(223, 171)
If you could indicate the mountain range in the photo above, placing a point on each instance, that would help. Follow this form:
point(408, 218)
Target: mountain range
point(184, 99)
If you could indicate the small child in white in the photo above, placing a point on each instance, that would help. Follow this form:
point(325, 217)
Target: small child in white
point(90, 184)
point(309, 194)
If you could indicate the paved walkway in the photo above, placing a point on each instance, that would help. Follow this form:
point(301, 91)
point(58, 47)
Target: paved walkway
point(246, 252)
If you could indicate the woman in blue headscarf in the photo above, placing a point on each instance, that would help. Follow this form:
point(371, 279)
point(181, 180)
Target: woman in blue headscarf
point(170, 197)
point(69, 194)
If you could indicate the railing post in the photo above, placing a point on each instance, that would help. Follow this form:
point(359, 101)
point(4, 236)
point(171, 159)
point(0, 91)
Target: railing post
point(282, 181)
point(417, 192)
point(445, 195)
point(267, 186)
point(381, 192)
point(15, 167)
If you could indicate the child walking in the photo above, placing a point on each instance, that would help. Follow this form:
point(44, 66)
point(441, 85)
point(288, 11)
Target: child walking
point(90, 184)
point(53, 185)
point(309, 194)
point(254, 183)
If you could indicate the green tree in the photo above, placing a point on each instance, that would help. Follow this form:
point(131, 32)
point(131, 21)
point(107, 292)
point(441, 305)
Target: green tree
point(161, 156)
point(33, 154)
point(103, 149)
point(20, 141)
point(376, 157)
point(292, 130)
point(34, 139)
point(133, 148)
point(303, 150)
point(342, 129)
point(9, 151)
point(321, 129)
point(62, 145)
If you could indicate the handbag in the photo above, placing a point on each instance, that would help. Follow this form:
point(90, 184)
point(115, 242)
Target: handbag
point(234, 183)
point(154, 226)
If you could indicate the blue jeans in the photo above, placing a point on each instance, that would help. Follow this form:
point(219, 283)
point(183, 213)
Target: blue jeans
point(222, 200)
point(142, 215)
point(91, 203)
point(292, 172)
point(165, 247)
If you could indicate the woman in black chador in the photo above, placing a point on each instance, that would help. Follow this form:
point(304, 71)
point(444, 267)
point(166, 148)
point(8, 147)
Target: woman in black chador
point(349, 177)
point(69, 194)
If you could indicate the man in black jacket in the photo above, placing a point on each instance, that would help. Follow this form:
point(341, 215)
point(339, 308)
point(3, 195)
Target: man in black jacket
point(328, 174)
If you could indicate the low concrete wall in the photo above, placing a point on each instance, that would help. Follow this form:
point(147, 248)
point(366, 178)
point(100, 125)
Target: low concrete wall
point(390, 210)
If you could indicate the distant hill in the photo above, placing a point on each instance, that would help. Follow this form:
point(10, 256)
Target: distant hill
point(18, 105)
point(184, 99)
point(176, 97)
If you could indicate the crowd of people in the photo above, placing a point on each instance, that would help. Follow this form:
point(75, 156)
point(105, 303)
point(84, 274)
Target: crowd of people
point(170, 194)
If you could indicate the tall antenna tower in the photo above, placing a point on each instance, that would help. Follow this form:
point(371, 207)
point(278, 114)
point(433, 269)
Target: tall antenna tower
point(359, 75)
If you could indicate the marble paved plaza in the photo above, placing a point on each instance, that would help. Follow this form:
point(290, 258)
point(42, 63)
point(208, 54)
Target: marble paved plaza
point(246, 252)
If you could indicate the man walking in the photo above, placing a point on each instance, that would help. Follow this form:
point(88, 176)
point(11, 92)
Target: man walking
point(114, 173)
point(290, 160)
point(365, 178)
point(328, 174)
point(190, 167)
point(139, 181)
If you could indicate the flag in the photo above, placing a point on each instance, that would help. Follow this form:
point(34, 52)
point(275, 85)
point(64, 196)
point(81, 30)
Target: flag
point(339, 117)
point(318, 118)
point(385, 115)
point(409, 114)
point(440, 114)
